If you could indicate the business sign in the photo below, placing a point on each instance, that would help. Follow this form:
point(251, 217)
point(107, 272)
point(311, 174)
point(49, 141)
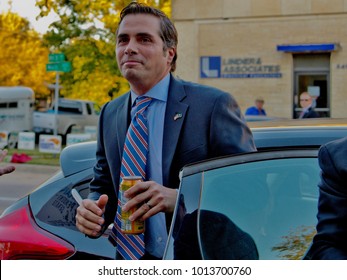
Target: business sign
point(210, 67)
point(50, 143)
point(244, 67)
point(26, 140)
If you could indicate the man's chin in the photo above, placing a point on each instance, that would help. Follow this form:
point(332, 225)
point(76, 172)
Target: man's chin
point(131, 74)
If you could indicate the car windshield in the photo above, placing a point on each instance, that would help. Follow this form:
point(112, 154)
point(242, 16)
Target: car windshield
point(264, 208)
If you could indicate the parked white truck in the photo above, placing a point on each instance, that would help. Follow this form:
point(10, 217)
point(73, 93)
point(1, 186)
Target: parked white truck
point(16, 109)
point(17, 114)
point(72, 113)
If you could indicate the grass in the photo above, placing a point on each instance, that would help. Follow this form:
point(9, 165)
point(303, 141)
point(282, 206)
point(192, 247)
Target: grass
point(37, 157)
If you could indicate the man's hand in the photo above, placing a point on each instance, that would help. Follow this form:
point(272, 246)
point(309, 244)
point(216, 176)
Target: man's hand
point(151, 198)
point(6, 169)
point(89, 218)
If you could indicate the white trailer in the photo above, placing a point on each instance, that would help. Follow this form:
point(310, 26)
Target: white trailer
point(16, 109)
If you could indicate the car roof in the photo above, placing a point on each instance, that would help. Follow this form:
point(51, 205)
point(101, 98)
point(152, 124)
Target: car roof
point(311, 122)
point(271, 134)
point(297, 132)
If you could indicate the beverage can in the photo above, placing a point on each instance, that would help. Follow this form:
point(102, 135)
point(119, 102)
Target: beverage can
point(127, 226)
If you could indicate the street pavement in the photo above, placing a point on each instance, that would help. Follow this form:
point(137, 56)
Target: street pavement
point(22, 181)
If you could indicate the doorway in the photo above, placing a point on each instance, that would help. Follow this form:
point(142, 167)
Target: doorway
point(311, 74)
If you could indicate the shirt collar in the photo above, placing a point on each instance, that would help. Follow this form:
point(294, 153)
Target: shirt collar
point(160, 91)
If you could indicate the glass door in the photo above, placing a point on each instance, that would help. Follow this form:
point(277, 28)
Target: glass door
point(318, 84)
point(311, 74)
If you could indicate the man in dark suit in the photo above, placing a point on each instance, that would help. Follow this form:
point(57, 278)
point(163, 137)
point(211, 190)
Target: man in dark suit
point(306, 103)
point(330, 241)
point(187, 122)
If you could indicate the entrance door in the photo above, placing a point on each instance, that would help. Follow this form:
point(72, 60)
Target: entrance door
point(311, 72)
point(303, 82)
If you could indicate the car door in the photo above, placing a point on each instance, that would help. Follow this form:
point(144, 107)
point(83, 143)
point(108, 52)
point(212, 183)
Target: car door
point(254, 206)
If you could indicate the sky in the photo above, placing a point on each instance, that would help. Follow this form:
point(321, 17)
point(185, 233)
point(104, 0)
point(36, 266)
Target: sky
point(28, 10)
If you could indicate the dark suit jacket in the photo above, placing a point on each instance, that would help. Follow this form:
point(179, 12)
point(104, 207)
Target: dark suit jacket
point(211, 125)
point(311, 113)
point(330, 241)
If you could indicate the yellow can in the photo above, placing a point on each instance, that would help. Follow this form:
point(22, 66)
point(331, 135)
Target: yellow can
point(127, 226)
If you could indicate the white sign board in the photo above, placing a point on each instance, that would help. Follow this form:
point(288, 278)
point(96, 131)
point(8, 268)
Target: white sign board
point(91, 129)
point(50, 143)
point(26, 140)
point(313, 91)
point(3, 139)
point(77, 138)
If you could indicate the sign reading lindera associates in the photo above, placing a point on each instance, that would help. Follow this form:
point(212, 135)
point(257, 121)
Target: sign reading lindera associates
point(244, 67)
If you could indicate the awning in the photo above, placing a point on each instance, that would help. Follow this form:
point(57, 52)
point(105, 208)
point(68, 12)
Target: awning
point(330, 47)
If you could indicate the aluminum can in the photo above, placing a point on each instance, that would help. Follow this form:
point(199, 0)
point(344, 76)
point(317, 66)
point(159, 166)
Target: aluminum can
point(127, 226)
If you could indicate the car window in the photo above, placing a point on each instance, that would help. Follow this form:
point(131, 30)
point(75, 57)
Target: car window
point(187, 204)
point(264, 209)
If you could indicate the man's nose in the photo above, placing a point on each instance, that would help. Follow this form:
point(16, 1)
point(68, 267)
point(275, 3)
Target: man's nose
point(131, 47)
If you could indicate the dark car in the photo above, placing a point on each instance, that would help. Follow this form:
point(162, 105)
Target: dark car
point(42, 224)
point(248, 206)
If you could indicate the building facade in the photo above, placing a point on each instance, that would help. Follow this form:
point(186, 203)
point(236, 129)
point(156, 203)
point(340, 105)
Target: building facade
point(275, 49)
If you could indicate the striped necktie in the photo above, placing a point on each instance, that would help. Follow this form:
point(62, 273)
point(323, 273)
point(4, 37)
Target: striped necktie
point(133, 164)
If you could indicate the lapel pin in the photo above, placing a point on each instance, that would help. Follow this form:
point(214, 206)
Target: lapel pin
point(177, 116)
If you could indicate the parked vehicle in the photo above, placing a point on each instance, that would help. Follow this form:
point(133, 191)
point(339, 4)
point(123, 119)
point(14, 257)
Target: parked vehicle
point(266, 199)
point(16, 108)
point(71, 113)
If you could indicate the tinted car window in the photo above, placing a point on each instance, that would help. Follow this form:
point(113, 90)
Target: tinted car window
point(259, 205)
point(264, 209)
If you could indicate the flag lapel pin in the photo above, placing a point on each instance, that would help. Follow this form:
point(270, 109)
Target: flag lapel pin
point(177, 116)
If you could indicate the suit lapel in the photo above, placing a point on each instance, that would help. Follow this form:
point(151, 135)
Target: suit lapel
point(174, 119)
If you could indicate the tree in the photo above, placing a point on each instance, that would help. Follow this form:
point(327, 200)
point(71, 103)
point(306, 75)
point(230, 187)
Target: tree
point(23, 55)
point(85, 33)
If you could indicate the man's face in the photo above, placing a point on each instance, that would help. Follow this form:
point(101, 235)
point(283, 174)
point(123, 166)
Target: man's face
point(259, 104)
point(140, 52)
point(305, 100)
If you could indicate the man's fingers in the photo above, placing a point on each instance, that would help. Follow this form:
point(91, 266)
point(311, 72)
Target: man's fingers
point(6, 170)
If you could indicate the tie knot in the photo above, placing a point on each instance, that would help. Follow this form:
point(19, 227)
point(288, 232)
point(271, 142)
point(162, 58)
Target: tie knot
point(142, 103)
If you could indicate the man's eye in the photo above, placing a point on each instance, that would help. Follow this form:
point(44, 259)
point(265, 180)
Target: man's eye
point(121, 40)
point(146, 40)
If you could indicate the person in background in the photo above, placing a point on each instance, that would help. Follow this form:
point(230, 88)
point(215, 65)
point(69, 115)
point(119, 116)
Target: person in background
point(7, 169)
point(330, 241)
point(306, 103)
point(186, 122)
point(258, 109)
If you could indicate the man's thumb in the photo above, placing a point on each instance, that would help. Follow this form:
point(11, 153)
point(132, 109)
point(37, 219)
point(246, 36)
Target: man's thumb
point(102, 201)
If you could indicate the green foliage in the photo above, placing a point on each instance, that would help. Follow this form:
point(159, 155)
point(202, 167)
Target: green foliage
point(23, 56)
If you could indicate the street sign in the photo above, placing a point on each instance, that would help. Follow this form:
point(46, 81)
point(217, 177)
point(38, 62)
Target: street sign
point(64, 66)
point(57, 64)
point(56, 57)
